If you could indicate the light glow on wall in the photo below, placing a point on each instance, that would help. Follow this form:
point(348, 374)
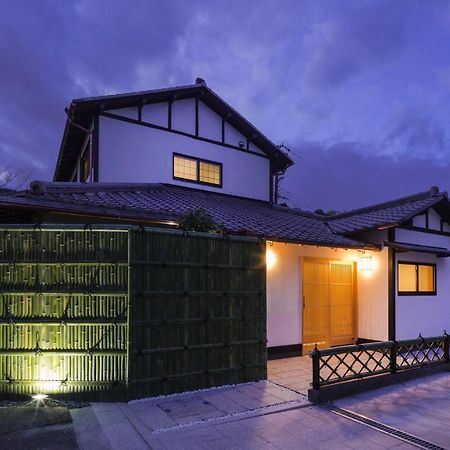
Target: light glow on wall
point(271, 258)
point(366, 264)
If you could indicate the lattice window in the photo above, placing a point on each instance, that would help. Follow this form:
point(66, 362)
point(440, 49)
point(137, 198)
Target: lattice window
point(210, 172)
point(197, 170)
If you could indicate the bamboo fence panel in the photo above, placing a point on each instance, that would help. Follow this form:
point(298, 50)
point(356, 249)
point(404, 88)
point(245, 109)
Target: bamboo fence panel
point(198, 315)
point(63, 312)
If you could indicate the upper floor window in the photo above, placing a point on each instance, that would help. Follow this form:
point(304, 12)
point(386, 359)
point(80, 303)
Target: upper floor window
point(416, 278)
point(85, 166)
point(196, 170)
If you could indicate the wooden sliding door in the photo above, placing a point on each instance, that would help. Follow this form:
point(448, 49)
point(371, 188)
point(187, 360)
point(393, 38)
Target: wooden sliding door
point(329, 311)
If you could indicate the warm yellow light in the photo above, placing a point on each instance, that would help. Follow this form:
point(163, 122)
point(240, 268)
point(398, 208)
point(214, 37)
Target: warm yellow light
point(271, 258)
point(366, 264)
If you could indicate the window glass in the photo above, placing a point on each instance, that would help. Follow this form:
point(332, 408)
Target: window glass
point(85, 166)
point(426, 278)
point(210, 173)
point(197, 170)
point(416, 278)
point(407, 278)
point(185, 168)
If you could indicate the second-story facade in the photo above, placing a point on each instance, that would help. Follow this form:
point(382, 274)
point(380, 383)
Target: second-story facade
point(186, 136)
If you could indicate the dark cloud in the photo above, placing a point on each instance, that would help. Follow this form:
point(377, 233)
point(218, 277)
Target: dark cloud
point(417, 133)
point(355, 38)
point(344, 176)
point(360, 85)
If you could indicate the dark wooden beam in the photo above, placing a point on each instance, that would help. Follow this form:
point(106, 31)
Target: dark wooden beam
point(169, 115)
point(391, 287)
point(196, 117)
point(96, 147)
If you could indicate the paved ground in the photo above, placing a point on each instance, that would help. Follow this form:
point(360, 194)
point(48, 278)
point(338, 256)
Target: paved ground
point(259, 415)
point(420, 407)
point(268, 415)
point(294, 373)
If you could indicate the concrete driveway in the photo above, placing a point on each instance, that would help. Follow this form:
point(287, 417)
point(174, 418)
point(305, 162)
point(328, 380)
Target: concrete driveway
point(259, 415)
point(420, 407)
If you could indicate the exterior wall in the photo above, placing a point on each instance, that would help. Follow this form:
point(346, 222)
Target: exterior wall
point(131, 112)
point(284, 292)
point(183, 115)
point(135, 153)
point(427, 315)
point(210, 123)
point(156, 113)
point(434, 220)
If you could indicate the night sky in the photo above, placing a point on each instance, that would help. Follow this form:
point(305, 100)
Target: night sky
point(359, 91)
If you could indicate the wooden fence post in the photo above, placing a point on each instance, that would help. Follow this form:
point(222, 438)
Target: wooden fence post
point(393, 357)
point(315, 355)
point(446, 347)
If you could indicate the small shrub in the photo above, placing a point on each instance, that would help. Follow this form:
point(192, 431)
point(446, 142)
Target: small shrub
point(199, 220)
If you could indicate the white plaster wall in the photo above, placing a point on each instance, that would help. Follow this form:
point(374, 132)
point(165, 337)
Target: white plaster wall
point(156, 113)
point(135, 153)
point(284, 292)
point(183, 119)
point(131, 112)
point(425, 314)
point(419, 221)
point(183, 115)
point(209, 123)
point(233, 136)
point(434, 220)
point(252, 147)
point(419, 238)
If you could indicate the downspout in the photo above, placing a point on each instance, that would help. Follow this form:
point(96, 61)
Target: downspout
point(278, 177)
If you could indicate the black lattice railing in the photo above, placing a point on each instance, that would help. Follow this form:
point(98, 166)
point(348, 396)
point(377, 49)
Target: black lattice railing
point(336, 365)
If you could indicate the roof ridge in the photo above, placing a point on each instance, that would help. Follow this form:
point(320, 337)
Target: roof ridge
point(134, 93)
point(432, 192)
point(299, 212)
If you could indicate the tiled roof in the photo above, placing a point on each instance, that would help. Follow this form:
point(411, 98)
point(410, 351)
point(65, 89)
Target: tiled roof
point(167, 204)
point(387, 214)
point(159, 202)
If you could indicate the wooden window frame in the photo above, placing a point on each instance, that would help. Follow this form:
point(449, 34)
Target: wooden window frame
point(417, 292)
point(197, 161)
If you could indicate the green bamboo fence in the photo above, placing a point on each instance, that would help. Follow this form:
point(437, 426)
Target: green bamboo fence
point(123, 313)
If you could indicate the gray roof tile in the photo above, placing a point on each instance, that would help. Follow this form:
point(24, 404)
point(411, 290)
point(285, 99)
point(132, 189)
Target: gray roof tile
point(386, 214)
point(164, 203)
point(148, 201)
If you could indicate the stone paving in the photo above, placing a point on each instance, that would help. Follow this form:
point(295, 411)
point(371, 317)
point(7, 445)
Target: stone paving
point(272, 414)
point(294, 373)
point(259, 415)
point(420, 407)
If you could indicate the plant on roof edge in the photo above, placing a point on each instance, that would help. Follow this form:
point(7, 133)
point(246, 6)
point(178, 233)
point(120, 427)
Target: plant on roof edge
point(200, 220)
